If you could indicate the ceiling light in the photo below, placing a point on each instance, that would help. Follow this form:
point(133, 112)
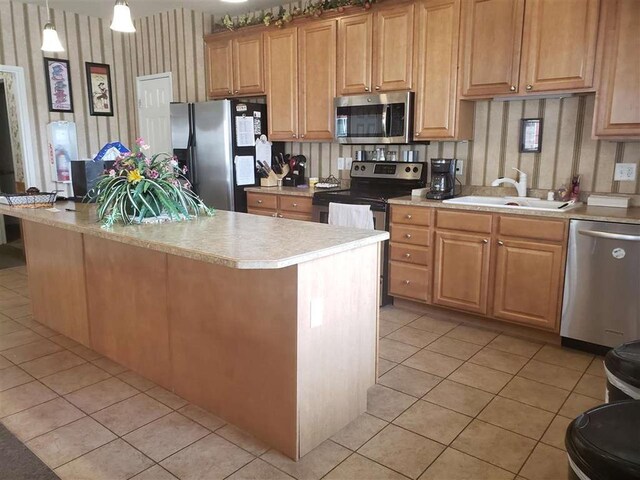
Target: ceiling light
point(50, 40)
point(122, 18)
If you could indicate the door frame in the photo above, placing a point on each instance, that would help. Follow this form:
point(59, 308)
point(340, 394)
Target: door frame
point(139, 81)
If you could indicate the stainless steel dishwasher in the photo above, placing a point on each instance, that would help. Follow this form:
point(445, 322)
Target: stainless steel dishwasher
point(601, 306)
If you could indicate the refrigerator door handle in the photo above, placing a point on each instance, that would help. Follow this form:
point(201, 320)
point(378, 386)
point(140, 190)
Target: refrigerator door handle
point(610, 236)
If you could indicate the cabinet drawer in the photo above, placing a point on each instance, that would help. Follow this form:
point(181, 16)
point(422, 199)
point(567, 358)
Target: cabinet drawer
point(464, 221)
point(411, 215)
point(291, 203)
point(415, 255)
point(260, 211)
point(536, 228)
point(409, 281)
point(262, 200)
point(411, 235)
point(306, 217)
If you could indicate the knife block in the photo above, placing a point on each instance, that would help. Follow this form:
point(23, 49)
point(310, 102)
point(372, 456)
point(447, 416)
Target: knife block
point(272, 179)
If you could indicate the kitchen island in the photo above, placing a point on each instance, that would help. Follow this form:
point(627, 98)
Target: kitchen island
point(268, 323)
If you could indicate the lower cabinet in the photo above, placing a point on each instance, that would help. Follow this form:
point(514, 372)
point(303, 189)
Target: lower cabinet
point(409, 281)
point(293, 207)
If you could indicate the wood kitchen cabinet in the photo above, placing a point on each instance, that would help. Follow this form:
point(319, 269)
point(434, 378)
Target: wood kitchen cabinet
point(220, 68)
point(355, 53)
point(293, 207)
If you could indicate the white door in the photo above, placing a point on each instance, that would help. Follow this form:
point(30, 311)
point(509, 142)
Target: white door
point(155, 94)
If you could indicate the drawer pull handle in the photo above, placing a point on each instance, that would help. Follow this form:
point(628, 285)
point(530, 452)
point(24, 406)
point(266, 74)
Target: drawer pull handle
point(259, 201)
point(407, 235)
point(407, 282)
point(485, 241)
point(500, 242)
point(407, 255)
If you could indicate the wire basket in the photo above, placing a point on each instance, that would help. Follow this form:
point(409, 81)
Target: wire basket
point(30, 200)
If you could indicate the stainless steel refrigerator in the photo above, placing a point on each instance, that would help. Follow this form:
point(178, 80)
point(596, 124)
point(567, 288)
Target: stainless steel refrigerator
point(205, 139)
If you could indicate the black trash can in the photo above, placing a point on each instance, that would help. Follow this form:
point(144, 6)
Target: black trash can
point(622, 366)
point(604, 443)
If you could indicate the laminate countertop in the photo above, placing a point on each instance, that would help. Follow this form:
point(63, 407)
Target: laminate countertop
point(583, 212)
point(236, 240)
point(293, 191)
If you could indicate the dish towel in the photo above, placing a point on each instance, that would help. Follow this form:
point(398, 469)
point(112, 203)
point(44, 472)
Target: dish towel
point(354, 216)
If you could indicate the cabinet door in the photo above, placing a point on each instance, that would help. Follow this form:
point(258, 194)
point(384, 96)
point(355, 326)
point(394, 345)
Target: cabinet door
point(617, 109)
point(559, 45)
point(248, 71)
point(355, 37)
point(461, 271)
point(219, 68)
point(393, 49)
point(528, 283)
point(281, 58)
point(492, 36)
point(317, 53)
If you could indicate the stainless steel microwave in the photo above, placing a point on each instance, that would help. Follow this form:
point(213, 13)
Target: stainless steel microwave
point(374, 119)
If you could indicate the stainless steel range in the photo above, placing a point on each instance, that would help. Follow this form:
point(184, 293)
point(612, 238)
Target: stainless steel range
point(373, 184)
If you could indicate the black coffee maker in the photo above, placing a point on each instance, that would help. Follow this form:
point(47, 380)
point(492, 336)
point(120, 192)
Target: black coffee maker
point(297, 174)
point(443, 179)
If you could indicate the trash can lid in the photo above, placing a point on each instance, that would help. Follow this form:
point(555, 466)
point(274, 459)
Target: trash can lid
point(603, 442)
point(624, 362)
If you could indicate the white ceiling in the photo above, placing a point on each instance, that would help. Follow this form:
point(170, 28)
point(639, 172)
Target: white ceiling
point(140, 8)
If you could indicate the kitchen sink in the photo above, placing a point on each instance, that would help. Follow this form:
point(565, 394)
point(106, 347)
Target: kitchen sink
point(521, 203)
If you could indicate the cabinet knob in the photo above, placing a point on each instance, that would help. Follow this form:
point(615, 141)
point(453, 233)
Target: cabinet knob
point(407, 282)
point(407, 255)
point(485, 241)
point(236, 92)
point(294, 205)
point(230, 92)
point(529, 87)
point(417, 134)
point(295, 136)
point(500, 242)
point(366, 89)
point(259, 201)
point(274, 215)
point(512, 88)
point(377, 87)
point(302, 136)
point(280, 215)
point(409, 216)
point(407, 235)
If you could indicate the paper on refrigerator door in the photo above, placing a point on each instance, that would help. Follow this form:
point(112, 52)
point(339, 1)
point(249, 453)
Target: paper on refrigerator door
point(245, 136)
point(245, 170)
point(263, 150)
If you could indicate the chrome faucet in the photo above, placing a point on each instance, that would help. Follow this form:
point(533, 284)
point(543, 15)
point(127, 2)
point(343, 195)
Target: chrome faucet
point(520, 185)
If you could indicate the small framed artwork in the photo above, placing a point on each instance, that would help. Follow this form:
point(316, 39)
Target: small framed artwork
point(531, 135)
point(58, 80)
point(99, 87)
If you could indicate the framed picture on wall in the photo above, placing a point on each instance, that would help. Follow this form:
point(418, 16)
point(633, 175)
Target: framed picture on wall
point(99, 88)
point(58, 81)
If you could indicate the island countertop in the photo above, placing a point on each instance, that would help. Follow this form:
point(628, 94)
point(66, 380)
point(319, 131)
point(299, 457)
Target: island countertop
point(236, 240)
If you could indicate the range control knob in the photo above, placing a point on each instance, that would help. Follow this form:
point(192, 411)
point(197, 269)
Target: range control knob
point(356, 168)
point(408, 169)
point(415, 169)
point(363, 168)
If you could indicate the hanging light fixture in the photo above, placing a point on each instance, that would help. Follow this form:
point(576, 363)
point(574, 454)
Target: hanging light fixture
point(50, 40)
point(122, 18)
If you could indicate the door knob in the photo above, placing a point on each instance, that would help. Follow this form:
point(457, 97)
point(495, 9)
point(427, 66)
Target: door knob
point(529, 87)
point(512, 88)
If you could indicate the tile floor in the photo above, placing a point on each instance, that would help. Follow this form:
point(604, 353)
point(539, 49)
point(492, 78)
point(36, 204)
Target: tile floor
point(453, 401)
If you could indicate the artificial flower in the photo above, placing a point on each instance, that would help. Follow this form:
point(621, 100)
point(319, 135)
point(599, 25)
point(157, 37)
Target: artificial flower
point(112, 173)
point(134, 176)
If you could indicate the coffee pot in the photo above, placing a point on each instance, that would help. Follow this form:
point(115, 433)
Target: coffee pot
point(443, 179)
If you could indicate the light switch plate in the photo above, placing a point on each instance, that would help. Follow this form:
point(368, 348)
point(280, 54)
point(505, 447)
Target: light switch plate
point(625, 172)
point(459, 167)
point(340, 163)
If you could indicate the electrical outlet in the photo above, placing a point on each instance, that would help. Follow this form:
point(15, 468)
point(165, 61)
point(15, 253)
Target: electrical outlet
point(625, 172)
point(459, 167)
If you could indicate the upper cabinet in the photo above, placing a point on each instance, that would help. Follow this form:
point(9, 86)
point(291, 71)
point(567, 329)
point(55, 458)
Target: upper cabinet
point(220, 68)
point(518, 47)
point(375, 51)
point(617, 109)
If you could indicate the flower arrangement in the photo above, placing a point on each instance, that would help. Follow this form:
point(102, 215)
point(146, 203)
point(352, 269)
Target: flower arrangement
point(139, 187)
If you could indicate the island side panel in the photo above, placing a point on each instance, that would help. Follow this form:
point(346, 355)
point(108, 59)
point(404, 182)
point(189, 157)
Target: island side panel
point(337, 339)
point(127, 298)
point(233, 346)
point(55, 264)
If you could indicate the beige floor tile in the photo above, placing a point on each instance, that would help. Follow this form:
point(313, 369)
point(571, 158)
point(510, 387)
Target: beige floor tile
point(413, 336)
point(109, 365)
point(49, 364)
point(597, 367)
point(23, 397)
point(166, 436)
point(137, 381)
point(63, 341)
point(495, 445)
point(402, 451)
point(455, 465)
point(386, 327)
point(387, 404)
point(397, 315)
point(395, 351)
point(154, 473)
point(592, 386)
point(44, 331)
point(458, 397)
point(74, 378)
point(358, 432)
point(204, 418)
point(453, 348)
point(4, 363)
point(18, 311)
point(498, 360)
point(313, 465)
point(434, 325)
point(259, 469)
point(100, 465)
point(564, 357)
point(535, 394)
point(409, 380)
point(506, 343)
point(100, 395)
point(433, 421)
point(85, 353)
point(130, 414)
point(170, 399)
point(433, 363)
point(359, 467)
point(517, 417)
point(42, 418)
point(70, 441)
point(10, 326)
point(384, 366)
point(12, 377)
point(242, 439)
point(479, 336)
point(577, 404)
point(15, 339)
point(31, 351)
point(550, 374)
point(555, 434)
point(546, 463)
point(484, 378)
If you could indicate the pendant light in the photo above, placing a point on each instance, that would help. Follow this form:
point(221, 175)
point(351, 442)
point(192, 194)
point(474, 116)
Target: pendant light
point(122, 18)
point(50, 40)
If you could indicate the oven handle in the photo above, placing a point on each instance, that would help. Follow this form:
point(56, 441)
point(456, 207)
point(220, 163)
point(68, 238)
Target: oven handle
point(610, 236)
